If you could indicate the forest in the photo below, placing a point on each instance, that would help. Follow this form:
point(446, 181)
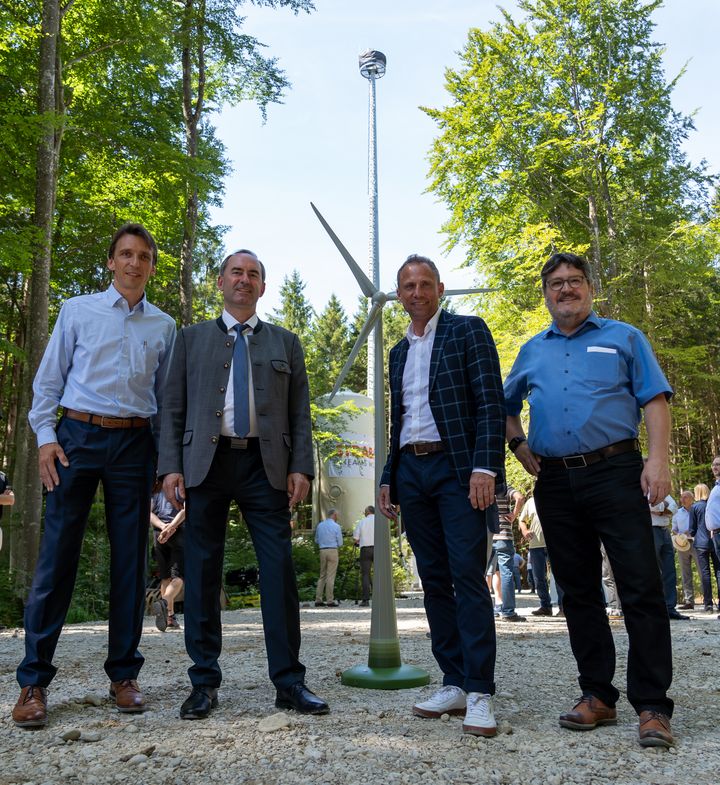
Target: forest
point(558, 133)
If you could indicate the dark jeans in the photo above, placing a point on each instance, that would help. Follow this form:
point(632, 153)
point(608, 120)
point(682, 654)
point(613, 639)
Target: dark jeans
point(579, 508)
point(367, 555)
point(239, 475)
point(449, 540)
point(538, 559)
point(665, 555)
point(707, 557)
point(124, 461)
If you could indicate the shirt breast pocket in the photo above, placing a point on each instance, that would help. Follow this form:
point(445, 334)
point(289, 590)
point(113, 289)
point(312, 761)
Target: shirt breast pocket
point(602, 365)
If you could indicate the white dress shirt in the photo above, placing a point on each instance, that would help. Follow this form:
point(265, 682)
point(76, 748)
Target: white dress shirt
point(365, 531)
point(228, 418)
point(418, 423)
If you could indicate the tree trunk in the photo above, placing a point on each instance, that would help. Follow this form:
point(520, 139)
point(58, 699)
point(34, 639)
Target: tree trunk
point(27, 480)
point(194, 43)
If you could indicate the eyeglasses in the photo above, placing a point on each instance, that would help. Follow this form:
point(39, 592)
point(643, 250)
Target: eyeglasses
point(575, 282)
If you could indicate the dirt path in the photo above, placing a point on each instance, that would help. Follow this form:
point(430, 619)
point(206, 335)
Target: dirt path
point(370, 735)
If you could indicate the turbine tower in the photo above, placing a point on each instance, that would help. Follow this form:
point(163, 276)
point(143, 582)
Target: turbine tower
point(372, 67)
point(385, 669)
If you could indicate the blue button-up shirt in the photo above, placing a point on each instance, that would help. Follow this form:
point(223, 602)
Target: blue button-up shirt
point(585, 390)
point(328, 534)
point(102, 358)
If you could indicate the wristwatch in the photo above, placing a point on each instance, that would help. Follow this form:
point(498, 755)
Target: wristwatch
point(515, 442)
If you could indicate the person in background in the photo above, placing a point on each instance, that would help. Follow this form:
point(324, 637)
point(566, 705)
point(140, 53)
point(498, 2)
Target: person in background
point(681, 525)
point(364, 537)
point(701, 513)
point(328, 536)
point(661, 514)
point(169, 551)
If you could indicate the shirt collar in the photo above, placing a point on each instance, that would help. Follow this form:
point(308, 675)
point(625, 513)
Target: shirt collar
point(113, 297)
point(231, 321)
point(592, 320)
point(429, 327)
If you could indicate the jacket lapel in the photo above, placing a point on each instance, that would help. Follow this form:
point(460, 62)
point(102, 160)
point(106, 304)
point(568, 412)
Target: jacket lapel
point(441, 333)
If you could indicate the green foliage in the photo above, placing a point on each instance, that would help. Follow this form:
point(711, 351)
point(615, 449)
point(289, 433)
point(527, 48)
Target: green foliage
point(560, 135)
point(295, 312)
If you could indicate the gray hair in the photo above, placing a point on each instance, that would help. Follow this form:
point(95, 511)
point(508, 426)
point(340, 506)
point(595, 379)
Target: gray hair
point(223, 265)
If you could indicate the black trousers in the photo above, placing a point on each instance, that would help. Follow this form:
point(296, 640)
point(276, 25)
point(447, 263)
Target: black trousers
point(367, 556)
point(239, 475)
point(579, 508)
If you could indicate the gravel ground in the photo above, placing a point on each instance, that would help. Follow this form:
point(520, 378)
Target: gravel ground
point(370, 735)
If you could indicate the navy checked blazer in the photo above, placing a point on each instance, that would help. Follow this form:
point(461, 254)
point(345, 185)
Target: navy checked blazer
point(466, 399)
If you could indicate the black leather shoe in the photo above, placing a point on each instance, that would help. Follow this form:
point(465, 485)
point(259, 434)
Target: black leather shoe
point(675, 616)
point(300, 698)
point(199, 703)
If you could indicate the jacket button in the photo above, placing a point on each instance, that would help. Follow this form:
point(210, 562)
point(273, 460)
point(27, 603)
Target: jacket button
point(227, 365)
point(214, 439)
point(228, 344)
point(222, 389)
point(218, 414)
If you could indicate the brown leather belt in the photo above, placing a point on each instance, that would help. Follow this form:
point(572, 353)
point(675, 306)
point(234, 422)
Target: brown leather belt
point(423, 448)
point(107, 422)
point(582, 460)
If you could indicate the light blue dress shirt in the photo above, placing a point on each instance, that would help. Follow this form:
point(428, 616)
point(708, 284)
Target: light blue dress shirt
point(585, 390)
point(328, 534)
point(102, 358)
point(712, 509)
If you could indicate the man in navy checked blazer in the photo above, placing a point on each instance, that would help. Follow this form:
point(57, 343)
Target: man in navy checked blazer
point(446, 459)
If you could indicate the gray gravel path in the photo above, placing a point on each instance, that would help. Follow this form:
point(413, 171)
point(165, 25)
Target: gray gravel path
point(370, 735)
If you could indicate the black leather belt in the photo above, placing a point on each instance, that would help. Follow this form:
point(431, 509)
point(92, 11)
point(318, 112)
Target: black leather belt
point(106, 422)
point(236, 443)
point(423, 448)
point(582, 460)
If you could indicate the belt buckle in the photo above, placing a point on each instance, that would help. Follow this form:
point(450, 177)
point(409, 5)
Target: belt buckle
point(417, 452)
point(575, 462)
point(236, 443)
point(102, 421)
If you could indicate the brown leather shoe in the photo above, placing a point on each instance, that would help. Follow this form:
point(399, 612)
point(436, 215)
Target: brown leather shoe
point(655, 730)
point(127, 694)
point(587, 714)
point(30, 711)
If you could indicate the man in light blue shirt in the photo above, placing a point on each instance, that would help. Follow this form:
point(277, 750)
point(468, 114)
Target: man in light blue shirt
point(105, 367)
point(328, 536)
point(586, 380)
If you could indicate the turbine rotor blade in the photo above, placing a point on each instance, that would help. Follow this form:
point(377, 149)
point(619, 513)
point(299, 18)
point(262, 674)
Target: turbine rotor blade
point(366, 286)
point(372, 318)
point(468, 291)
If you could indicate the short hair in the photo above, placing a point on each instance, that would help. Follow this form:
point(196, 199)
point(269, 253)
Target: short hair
point(138, 230)
point(686, 492)
point(417, 259)
point(701, 491)
point(223, 265)
point(369, 510)
point(571, 259)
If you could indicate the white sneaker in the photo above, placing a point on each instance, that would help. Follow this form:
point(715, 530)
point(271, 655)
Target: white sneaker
point(479, 717)
point(447, 700)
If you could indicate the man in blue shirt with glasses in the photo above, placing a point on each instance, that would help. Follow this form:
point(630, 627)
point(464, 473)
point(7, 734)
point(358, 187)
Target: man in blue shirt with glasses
point(586, 380)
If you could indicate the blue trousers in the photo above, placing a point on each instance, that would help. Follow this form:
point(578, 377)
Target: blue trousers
point(124, 461)
point(665, 554)
point(538, 559)
point(505, 552)
point(449, 540)
point(239, 475)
